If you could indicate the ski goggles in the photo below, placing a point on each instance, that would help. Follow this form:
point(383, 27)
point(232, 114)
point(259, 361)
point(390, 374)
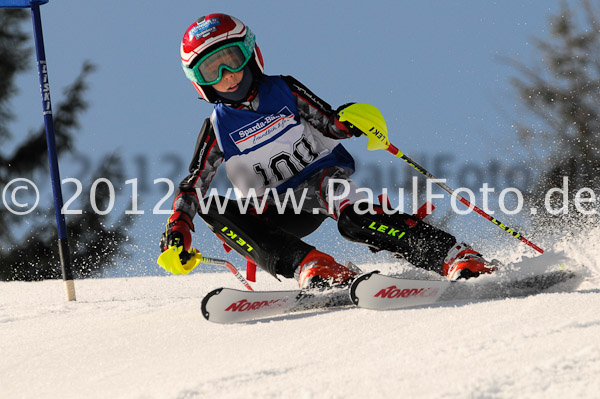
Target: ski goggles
point(232, 57)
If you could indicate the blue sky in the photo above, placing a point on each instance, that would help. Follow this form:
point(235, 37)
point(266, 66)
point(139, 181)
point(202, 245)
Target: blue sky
point(432, 67)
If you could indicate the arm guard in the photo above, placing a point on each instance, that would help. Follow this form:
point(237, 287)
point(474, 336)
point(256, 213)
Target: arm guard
point(202, 169)
point(314, 110)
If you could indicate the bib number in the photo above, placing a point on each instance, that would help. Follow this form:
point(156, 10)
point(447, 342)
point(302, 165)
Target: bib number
point(285, 165)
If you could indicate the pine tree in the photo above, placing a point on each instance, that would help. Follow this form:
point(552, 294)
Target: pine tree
point(563, 96)
point(33, 254)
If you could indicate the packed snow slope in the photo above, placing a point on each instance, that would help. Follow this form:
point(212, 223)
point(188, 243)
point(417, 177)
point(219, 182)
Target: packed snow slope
point(146, 338)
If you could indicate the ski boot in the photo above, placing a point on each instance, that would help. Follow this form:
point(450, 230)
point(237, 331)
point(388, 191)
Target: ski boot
point(463, 262)
point(319, 270)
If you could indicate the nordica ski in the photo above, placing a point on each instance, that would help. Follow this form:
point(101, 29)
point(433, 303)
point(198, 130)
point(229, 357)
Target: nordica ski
point(381, 292)
point(227, 305)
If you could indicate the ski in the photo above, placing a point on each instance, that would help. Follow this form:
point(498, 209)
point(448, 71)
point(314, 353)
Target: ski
point(371, 291)
point(228, 305)
point(383, 292)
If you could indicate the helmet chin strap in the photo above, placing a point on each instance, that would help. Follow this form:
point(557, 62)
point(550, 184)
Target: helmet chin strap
point(242, 92)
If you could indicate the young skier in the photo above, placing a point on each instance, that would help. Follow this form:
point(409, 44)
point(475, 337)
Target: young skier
point(274, 133)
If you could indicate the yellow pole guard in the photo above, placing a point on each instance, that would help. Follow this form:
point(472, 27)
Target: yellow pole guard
point(369, 120)
point(170, 261)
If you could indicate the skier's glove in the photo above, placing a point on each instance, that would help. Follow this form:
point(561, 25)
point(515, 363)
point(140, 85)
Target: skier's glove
point(346, 128)
point(178, 234)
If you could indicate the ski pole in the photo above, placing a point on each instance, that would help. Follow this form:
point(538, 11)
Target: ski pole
point(392, 149)
point(370, 121)
point(170, 261)
point(228, 265)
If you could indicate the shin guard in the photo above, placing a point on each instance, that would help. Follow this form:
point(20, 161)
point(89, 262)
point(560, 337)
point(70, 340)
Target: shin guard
point(419, 243)
point(269, 247)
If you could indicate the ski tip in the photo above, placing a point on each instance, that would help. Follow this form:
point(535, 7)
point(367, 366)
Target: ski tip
point(205, 300)
point(356, 282)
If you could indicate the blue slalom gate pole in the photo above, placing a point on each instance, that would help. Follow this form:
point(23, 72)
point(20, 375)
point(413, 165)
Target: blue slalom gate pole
point(63, 245)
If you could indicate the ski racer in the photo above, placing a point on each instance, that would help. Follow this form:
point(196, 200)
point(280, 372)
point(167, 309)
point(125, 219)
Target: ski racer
point(272, 132)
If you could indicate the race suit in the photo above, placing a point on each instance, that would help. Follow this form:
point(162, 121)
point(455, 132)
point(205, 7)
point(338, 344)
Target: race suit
point(285, 139)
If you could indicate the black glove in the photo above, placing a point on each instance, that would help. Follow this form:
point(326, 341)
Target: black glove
point(178, 234)
point(346, 127)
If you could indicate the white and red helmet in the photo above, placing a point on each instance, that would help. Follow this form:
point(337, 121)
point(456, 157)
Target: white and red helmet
point(208, 35)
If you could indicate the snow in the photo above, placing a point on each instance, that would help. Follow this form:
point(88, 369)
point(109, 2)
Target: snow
point(145, 337)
